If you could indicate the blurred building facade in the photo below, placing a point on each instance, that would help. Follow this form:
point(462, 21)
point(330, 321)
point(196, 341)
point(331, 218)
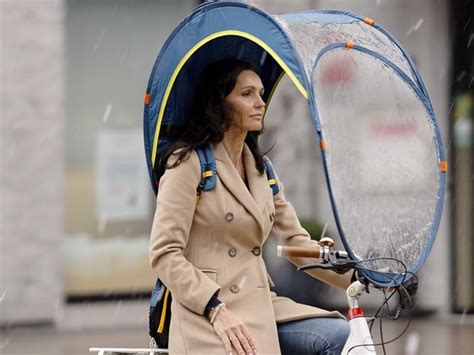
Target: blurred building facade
point(32, 81)
point(76, 205)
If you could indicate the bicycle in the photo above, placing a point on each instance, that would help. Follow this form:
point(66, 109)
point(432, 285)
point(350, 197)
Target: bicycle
point(360, 341)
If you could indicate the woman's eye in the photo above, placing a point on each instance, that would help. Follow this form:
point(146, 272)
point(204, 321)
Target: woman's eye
point(246, 93)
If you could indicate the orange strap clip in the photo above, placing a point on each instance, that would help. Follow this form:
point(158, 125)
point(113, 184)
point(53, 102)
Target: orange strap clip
point(323, 145)
point(443, 165)
point(369, 21)
point(349, 45)
point(147, 99)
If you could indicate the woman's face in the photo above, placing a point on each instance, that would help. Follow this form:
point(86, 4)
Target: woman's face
point(246, 103)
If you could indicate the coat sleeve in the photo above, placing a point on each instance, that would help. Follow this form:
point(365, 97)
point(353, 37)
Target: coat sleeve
point(175, 207)
point(287, 230)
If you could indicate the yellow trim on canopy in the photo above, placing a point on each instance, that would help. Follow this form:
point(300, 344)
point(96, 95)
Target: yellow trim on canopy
point(191, 52)
point(277, 82)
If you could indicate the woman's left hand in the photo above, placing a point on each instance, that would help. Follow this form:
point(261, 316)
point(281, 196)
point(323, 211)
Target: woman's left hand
point(233, 333)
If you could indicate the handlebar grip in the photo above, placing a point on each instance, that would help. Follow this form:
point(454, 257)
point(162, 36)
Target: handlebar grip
point(283, 250)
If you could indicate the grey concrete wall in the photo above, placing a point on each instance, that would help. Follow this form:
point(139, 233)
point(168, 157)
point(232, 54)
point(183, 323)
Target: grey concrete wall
point(31, 131)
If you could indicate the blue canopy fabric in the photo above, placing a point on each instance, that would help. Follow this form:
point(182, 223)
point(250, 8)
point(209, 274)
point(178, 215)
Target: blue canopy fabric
point(214, 31)
point(381, 145)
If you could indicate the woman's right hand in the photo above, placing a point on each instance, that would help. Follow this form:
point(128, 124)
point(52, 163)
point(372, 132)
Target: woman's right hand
point(233, 333)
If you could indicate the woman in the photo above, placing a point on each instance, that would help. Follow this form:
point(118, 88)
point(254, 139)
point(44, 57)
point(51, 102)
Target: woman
point(209, 254)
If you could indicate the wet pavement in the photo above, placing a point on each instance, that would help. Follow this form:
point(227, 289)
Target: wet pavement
point(123, 324)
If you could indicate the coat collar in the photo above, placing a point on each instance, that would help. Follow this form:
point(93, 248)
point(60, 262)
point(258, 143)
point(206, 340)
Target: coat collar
point(253, 200)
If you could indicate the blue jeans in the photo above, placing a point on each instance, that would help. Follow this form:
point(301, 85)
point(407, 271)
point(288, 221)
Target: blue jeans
point(314, 336)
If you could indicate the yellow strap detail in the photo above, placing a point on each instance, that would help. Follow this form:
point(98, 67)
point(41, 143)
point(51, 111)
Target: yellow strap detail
point(188, 55)
point(163, 312)
point(207, 173)
point(272, 181)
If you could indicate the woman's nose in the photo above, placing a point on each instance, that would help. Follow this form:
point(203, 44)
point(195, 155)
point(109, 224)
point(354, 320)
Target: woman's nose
point(260, 102)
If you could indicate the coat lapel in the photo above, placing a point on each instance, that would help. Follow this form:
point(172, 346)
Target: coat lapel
point(252, 200)
point(258, 184)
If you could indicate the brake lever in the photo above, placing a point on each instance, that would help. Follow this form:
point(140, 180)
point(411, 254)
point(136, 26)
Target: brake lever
point(406, 299)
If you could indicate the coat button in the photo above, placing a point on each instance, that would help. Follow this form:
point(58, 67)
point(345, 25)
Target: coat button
point(232, 252)
point(229, 217)
point(272, 216)
point(234, 289)
point(256, 251)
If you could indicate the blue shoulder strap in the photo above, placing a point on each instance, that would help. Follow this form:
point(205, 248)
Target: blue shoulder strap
point(209, 172)
point(271, 176)
point(157, 293)
point(208, 169)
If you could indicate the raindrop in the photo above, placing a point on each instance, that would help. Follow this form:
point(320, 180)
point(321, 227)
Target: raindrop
point(377, 3)
point(415, 27)
point(323, 233)
point(118, 309)
point(242, 282)
point(450, 108)
point(108, 109)
point(457, 162)
point(263, 58)
point(467, 24)
point(2, 296)
point(124, 55)
point(448, 148)
point(241, 52)
point(461, 76)
point(460, 121)
point(98, 41)
point(471, 38)
point(463, 317)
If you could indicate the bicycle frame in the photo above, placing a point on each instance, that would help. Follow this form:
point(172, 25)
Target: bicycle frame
point(360, 340)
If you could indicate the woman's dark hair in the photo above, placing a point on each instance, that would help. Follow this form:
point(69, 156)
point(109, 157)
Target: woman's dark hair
point(208, 117)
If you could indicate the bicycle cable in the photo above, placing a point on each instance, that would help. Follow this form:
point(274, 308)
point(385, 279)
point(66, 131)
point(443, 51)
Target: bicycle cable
point(399, 286)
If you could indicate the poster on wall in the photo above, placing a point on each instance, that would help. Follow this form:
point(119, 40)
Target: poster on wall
point(123, 192)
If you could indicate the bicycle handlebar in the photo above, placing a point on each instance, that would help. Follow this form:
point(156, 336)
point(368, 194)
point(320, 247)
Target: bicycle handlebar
point(324, 252)
point(285, 250)
point(336, 260)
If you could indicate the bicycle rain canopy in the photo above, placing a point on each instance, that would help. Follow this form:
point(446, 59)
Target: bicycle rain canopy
point(381, 146)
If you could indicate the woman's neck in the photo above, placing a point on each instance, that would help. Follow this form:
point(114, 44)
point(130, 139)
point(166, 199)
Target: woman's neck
point(234, 145)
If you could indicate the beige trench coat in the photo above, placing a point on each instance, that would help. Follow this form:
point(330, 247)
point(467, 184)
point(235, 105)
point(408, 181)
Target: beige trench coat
point(197, 250)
